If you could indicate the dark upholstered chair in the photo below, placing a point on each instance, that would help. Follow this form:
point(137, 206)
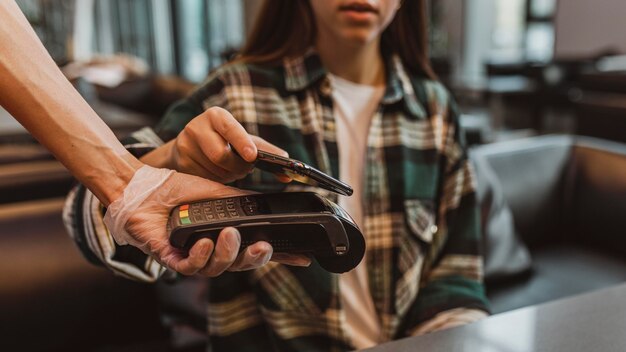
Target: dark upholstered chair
point(568, 200)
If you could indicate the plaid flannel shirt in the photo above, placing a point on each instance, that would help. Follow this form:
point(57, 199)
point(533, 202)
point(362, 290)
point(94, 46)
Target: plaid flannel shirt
point(421, 221)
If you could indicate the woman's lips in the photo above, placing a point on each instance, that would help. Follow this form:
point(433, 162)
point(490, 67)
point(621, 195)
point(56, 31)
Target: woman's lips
point(359, 6)
point(359, 11)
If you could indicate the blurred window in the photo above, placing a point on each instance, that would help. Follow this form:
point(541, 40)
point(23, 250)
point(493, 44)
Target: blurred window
point(540, 30)
point(187, 38)
point(206, 30)
point(539, 42)
point(523, 30)
point(542, 8)
point(125, 26)
point(192, 38)
point(53, 23)
point(509, 30)
point(184, 37)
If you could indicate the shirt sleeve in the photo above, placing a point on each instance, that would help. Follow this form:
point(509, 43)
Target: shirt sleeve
point(453, 272)
point(449, 319)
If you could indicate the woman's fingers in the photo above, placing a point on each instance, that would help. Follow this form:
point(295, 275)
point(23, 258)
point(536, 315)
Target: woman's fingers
point(232, 132)
point(219, 152)
point(210, 140)
point(266, 146)
point(207, 140)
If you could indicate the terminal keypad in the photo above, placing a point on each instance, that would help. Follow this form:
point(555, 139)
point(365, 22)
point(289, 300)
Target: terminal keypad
point(214, 209)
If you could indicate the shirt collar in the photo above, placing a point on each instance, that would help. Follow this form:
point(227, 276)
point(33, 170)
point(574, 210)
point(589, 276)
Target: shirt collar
point(303, 71)
point(400, 87)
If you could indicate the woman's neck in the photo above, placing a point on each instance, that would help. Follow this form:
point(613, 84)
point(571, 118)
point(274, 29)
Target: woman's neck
point(358, 64)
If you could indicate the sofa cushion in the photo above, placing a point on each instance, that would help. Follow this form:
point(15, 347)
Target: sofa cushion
point(531, 172)
point(505, 254)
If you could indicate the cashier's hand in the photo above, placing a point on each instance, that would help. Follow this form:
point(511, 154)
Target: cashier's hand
point(203, 148)
point(144, 226)
point(139, 218)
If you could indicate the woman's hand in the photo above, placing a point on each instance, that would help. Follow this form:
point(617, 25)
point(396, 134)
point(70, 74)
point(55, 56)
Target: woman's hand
point(203, 148)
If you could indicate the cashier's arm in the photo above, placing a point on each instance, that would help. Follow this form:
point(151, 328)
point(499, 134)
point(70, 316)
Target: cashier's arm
point(36, 93)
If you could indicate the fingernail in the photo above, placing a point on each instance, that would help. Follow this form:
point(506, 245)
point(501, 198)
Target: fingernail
point(305, 263)
point(249, 154)
point(299, 261)
point(255, 253)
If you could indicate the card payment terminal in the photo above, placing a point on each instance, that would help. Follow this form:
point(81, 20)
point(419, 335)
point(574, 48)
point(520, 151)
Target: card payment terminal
point(298, 222)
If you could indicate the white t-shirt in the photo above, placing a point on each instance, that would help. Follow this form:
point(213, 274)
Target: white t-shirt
point(355, 105)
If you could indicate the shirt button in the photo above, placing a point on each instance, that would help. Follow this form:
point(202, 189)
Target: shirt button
point(434, 229)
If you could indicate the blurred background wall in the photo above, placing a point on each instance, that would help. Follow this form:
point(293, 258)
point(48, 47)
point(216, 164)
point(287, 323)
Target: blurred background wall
point(586, 28)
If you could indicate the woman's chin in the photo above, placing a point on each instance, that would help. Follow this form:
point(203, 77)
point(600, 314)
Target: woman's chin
point(359, 37)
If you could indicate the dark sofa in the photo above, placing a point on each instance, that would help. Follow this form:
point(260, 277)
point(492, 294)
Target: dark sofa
point(567, 196)
point(568, 200)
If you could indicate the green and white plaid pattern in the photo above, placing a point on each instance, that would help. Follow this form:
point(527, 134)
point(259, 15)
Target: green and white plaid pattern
point(421, 219)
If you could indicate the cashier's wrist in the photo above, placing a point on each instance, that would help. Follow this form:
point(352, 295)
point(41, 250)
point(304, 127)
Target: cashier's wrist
point(144, 185)
point(109, 185)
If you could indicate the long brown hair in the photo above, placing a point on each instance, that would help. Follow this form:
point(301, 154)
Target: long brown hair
point(285, 28)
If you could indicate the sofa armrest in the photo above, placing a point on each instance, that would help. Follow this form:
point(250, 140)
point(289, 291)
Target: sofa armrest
point(597, 201)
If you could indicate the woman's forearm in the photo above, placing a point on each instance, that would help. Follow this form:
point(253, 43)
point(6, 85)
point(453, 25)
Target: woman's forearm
point(160, 157)
point(37, 94)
